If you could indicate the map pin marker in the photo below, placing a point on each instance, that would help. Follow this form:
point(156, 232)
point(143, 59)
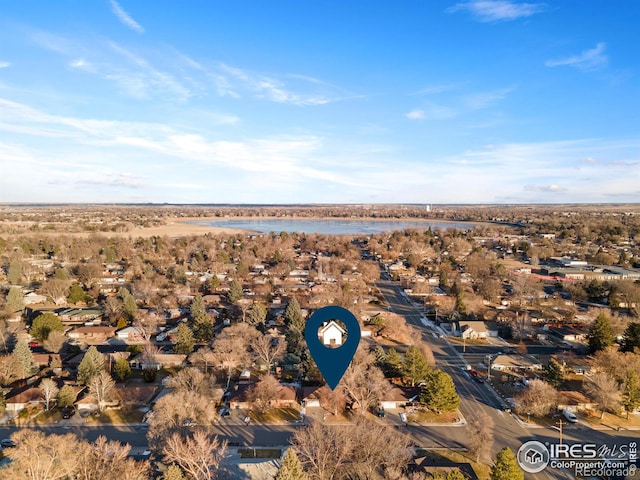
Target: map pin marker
point(332, 362)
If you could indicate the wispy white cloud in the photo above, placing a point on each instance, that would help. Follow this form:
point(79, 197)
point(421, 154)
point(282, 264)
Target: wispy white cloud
point(461, 106)
point(478, 101)
point(588, 60)
point(416, 114)
point(544, 188)
point(125, 18)
point(497, 10)
point(5, 64)
point(230, 80)
point(437, 89)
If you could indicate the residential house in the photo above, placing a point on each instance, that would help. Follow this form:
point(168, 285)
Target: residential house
point(47, 359)
point(79, 316)
point(17, 401)
point(516, 363)
point(156, 362)
point(574, 401)
point(92, 334)
point(286, 397)
point(473, 330)
point(131, 335)
point(32, 298)
point(398, 397)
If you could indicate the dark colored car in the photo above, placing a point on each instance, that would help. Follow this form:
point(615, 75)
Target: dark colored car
point(7, 443)
point(68, 413)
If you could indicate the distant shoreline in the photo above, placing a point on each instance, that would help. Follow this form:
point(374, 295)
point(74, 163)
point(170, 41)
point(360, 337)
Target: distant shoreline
point(187, 226)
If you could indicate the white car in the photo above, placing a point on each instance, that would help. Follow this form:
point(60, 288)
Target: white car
point(570, 416)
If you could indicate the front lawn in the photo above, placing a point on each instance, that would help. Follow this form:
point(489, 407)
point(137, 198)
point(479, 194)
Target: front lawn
point(275, 415)
point(427, 416)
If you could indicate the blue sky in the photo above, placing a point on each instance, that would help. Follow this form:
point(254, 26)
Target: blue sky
point(306, 101)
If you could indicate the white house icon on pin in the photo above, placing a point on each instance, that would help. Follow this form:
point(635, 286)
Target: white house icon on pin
point(330, 334)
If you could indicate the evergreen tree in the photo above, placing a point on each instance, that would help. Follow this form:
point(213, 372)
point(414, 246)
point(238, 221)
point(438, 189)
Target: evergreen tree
point(14, 275)
point(506, 466)
point(121, 369)
point(15, 300)
point(214, 283)
point(291, 468)
point(92, 363)
point(235, 291)
point(443, 281)
point(600, 334)
point(631, 337)
point(439, 393)
point(415, 366)
point(66, 396)
point(44, 324)
point(460, 307)
point(380, 356)
point(293, 316)
point(257, 315)
point(201, 322)
point(553, 373)
point(173, 473)
point(631, 393)
point(3, 402)
point(392, 367)
point(24, 359)
point(197, 308)
point(76, 294)
point(130, 307)
point(184, 340)
point(455, 475)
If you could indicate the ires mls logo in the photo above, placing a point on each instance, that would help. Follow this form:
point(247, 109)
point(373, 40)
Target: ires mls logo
point(584, 459)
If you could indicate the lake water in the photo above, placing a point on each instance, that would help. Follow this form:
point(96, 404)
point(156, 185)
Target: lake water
point(330, 227)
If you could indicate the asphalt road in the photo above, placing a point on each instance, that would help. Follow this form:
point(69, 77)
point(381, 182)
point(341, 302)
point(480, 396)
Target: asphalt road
point(476, 397)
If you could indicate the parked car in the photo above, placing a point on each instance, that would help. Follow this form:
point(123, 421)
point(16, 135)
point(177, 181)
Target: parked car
point(570, 416)
point(68, 413)
point(7, 443)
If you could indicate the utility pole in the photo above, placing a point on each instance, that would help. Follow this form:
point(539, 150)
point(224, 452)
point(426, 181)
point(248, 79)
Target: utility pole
point(560, 423)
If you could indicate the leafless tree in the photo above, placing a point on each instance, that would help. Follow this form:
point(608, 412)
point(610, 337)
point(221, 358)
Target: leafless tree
point(604, 390)
point(323, 450)
point(176, 413)
point(113, 308)
point(56, 289)
point(9, 369)
point(231, 347)
point(102, 387)
point(268, 349)
point(40, 456)
point(199, 455)
point(88, 273)
point(538, 399)
point(480, 433)
point(378, 447)
point(264, 392)
point(49, 391)
point(148, 325)
point(107, 460)
point(189, 379)
point(364, 382)
point(333, 400)
point(54, 341)
point(204, 357)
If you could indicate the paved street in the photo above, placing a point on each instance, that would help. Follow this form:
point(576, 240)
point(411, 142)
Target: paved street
point(476, 397)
